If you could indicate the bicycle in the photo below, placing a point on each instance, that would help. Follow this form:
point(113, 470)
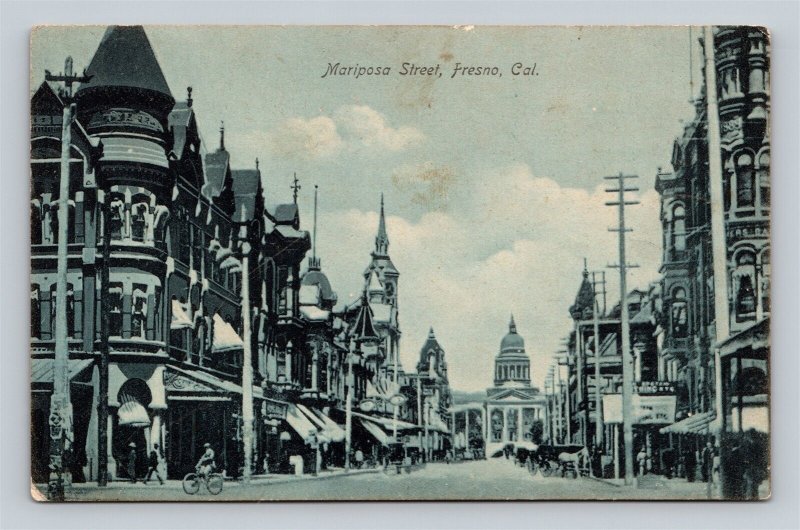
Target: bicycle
point(212, 481)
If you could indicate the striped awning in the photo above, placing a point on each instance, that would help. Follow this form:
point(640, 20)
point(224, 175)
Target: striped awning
point(333, 430)
point(301, 424)
point(132, 413)
point(696, 424)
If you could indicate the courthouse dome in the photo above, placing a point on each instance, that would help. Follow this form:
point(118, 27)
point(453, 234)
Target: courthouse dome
point(512, 345)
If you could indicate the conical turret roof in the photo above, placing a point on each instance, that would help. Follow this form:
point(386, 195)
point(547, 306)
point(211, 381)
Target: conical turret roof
point(125, 58)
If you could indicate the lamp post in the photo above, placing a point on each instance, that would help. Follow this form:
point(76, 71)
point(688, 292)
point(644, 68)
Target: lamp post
point(348, 410)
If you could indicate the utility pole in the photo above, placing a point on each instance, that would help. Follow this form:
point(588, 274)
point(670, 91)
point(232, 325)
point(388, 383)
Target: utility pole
point(60, 420)
point(598, 424)
point(102, 403)
point(348, 410)
point(719, 246)
point(627, 367)
point(247, 361)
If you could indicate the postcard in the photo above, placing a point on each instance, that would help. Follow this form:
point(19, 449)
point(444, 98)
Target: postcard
point(399, 263)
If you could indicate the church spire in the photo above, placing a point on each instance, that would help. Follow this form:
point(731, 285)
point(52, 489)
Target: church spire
point(222, 136)
point(382, 239)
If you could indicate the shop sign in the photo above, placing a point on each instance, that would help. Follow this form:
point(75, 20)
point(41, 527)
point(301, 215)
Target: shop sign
point(126, 117)
point(274, 410)
point(647, 409)
point(654, 388)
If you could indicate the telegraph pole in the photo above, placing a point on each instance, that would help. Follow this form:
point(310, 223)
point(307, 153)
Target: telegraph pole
point(627, 368)
point(60, 420)
point(102, 404)
point(598, 424)
point(348, 409)
point(247, 362)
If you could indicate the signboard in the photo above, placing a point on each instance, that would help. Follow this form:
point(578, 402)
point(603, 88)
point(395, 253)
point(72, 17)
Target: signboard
point(427, 391)
point(397, 400)
point(274, 410)
point(654, 388)
point(647, 409)
point(127, 117)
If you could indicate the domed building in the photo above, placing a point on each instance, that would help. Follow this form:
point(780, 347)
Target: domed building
point(512, 405)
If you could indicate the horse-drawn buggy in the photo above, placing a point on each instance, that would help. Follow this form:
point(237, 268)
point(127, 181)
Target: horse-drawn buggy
point(565, 459)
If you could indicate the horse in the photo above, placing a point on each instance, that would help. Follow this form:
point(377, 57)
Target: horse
point(573, 461)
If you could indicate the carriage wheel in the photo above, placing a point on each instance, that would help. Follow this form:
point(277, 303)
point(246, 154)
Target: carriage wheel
point(547, 470)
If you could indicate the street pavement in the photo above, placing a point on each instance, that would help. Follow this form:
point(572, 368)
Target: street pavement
point(494, 479)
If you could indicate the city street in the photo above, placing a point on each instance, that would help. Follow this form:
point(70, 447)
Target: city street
point(495, 479)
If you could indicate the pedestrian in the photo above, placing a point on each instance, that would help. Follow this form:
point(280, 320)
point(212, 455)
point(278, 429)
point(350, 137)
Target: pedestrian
point(132, 462)
point(690, 463)
point(265, 464)
point(152, 465)
point(641, 460)
point(359, 458)
point(669, 462)
point(707, 460)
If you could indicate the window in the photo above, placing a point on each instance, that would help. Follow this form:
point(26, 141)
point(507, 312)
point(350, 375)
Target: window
point(197, 245)
point(763, 179)
point(745, 187)
point(139, 311)
point(114, 308)
point(70, 222)
point(679, 229)
point(36, 312)
point(36, 225)
point(116, 218)
point(764, 284)
point(679, 315)
point(70, 309)
point(139, 221)
point(745, 292)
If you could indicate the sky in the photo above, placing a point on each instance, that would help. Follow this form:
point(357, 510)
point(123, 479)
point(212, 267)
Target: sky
point(493, 183)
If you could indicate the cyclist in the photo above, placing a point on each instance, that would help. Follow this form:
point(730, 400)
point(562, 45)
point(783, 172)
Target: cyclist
point(205, 466)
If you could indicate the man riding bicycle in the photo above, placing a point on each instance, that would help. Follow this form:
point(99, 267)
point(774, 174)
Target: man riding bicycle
point(205, 466)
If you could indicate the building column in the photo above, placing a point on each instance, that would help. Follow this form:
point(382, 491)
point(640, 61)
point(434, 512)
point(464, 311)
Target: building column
point(466, 428)
point(314, 369)
point(505, 425)
point(112, 463)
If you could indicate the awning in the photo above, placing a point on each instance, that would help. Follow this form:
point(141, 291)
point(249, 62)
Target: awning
point(42, 369)
point(387, 423)
point(182, 379)
point(375, 431)
point(132, 413)
point(322, 436)
point(180, 320)
point(300, 423)
point(696, 424)
point(332, 429)
point(225, 337)
point(753, 339)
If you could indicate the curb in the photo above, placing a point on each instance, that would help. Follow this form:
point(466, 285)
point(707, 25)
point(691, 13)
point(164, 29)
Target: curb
point(604, 481)
point(294, 478)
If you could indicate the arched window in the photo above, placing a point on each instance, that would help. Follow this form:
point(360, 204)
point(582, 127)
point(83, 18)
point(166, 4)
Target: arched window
point(679, 228)
point(36, 313)
point(763, 178)
point(745, 292)
point(139, 220)
point(679, 317)
point(70, 222)
point(745, 186)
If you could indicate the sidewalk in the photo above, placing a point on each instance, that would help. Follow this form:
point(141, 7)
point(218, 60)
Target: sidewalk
point(272, 478)
point(659, 483)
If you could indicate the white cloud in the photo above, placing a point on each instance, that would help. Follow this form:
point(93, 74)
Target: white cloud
point(518, 248)
point(348, 128)
point(361, 124)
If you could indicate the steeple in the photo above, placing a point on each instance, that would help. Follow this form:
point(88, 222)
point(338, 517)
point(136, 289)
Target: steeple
point(221, 136)
point(512, 326)
point(583, 307)
point(314, 261)
point(382, 239)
